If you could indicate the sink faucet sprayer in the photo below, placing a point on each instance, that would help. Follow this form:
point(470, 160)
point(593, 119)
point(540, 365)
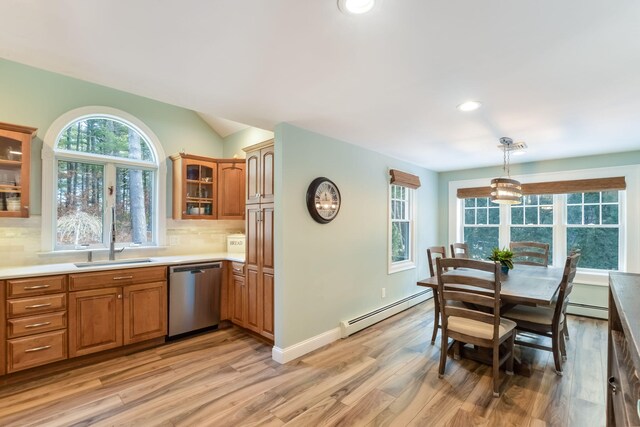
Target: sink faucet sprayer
point(112, 243)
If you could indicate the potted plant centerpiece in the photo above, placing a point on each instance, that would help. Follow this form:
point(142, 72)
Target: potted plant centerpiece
point(504, 256)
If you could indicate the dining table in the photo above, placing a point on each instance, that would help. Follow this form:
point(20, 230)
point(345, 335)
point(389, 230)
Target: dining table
point(524, 284)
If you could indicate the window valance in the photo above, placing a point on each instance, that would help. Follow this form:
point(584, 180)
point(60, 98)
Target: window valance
point(404, 179)
point(554, 187)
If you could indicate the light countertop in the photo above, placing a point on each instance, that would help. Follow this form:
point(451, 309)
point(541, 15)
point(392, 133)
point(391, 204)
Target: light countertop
point(68, 268)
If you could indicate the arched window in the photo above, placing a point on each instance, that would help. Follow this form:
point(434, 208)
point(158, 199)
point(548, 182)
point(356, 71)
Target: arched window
point(105, 172)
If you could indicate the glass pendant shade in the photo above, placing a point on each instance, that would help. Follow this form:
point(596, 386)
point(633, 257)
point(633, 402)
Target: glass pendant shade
point(506, 191)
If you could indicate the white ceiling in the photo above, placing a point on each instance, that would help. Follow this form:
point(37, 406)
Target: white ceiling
point(564, 76)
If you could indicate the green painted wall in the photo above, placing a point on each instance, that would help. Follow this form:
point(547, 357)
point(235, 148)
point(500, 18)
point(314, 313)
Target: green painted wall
point(34, 97)
point(234, 143)
point(333, 272)
point(574, 163)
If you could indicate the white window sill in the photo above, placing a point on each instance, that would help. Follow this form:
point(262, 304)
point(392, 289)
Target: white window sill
point(401, 266)
point(592, 278)
point(98, 250)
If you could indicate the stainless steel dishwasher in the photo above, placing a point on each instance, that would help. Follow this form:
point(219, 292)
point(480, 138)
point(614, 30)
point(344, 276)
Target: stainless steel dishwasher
point(194, 297)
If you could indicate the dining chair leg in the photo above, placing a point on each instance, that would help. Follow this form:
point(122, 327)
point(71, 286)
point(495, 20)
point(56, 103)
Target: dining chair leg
point(565, 330)
point(496, 370)
point(563, 347)
point(443, 354)
point(555, 347)
point(511, 345)
point(436, 316)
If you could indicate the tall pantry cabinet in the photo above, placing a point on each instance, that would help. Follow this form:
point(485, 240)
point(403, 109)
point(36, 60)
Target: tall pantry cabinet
point(257, 293)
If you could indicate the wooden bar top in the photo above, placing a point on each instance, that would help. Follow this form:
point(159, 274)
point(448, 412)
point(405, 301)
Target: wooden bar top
point(625, 290)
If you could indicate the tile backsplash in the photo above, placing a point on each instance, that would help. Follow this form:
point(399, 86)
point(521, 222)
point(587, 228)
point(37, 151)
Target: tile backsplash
point(20, 241)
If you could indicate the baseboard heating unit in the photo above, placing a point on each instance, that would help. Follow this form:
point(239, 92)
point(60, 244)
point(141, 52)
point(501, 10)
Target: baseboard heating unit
point(348, 327)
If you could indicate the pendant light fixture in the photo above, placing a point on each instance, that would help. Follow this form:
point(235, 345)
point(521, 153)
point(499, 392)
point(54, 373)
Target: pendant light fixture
point(506, 190)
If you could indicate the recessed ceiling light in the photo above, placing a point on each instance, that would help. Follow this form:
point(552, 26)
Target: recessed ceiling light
point(356, 7)
point(469, 106)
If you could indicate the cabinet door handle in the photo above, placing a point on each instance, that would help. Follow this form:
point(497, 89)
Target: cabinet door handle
point(612, 385)
point(122, 277)
point(30, 288)
point(31, 350)
point(36, 325)
point(38, 305)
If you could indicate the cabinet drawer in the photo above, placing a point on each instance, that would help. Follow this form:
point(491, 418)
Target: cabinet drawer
point(35, 305)
point(237, 268)
point(27, 352)
point(35, 286)
point(36, 324)
point(103, 279)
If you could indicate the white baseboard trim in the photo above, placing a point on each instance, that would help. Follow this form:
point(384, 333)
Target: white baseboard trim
point(284, 355)
point(589, 311)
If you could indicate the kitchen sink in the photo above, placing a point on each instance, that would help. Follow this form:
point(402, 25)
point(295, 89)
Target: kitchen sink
point(115, 262)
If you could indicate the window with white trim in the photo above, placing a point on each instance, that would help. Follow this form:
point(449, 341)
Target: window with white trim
point(591, 223)
point(593, 228)
point(532, 221)
point(401, 228)
point(481, 226)
point(103, 161)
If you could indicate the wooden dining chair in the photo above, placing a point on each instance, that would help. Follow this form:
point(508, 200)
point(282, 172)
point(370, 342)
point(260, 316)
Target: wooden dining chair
point(459, 250)
point(530, 253)
point(551, 321)
point(434, 252)
point(471, 324)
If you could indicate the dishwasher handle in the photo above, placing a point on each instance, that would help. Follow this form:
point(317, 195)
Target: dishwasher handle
point(196, 268)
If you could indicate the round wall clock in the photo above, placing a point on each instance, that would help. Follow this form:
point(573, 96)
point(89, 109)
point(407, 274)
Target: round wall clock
point(323, 200)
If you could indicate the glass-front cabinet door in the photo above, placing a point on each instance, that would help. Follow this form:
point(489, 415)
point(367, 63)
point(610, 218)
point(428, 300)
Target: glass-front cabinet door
point(195, 187)
point(15, 158)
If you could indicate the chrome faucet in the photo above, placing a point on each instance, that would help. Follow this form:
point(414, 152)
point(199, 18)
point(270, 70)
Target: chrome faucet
point(112, 243)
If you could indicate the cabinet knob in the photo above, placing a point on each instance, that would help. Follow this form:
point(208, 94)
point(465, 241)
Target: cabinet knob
point(119, 296)
point(612, 385)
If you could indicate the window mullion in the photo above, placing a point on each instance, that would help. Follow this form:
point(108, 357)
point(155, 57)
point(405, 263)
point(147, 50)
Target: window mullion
point(504, 233)
point(109, 200)
point(559, 228)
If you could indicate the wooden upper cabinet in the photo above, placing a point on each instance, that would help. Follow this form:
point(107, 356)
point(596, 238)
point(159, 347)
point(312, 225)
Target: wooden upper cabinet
point(267, 163)
point(15, 160)
point(195, 182)
point(253, 177)
point(207, 188)
point(231, 188)
point(260, 173)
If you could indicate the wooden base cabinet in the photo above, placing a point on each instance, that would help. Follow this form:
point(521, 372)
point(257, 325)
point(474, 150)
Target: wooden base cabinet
point(239, 298)
point(107, 316)
point(34, 322)
point(145, 312)
point(95, 321)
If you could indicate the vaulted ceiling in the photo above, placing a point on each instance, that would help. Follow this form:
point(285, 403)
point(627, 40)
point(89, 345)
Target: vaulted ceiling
point(563, 76)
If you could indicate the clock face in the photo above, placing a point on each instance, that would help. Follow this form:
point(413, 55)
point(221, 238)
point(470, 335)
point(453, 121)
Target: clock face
point(323, 200)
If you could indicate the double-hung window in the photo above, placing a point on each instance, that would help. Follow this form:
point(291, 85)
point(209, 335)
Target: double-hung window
point(106, 170)
point(591, 222)
point(402, 228)
point(593, 228)
point(532, 221)
point(481, 223)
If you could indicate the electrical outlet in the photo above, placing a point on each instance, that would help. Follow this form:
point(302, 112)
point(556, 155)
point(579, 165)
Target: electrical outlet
point(384, 292)
point(173, 241)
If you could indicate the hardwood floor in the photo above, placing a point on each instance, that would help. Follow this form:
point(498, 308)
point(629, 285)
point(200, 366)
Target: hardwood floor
point(385, 375)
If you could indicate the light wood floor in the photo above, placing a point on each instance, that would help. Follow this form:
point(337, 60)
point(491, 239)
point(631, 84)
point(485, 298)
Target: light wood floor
point(384, 375)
